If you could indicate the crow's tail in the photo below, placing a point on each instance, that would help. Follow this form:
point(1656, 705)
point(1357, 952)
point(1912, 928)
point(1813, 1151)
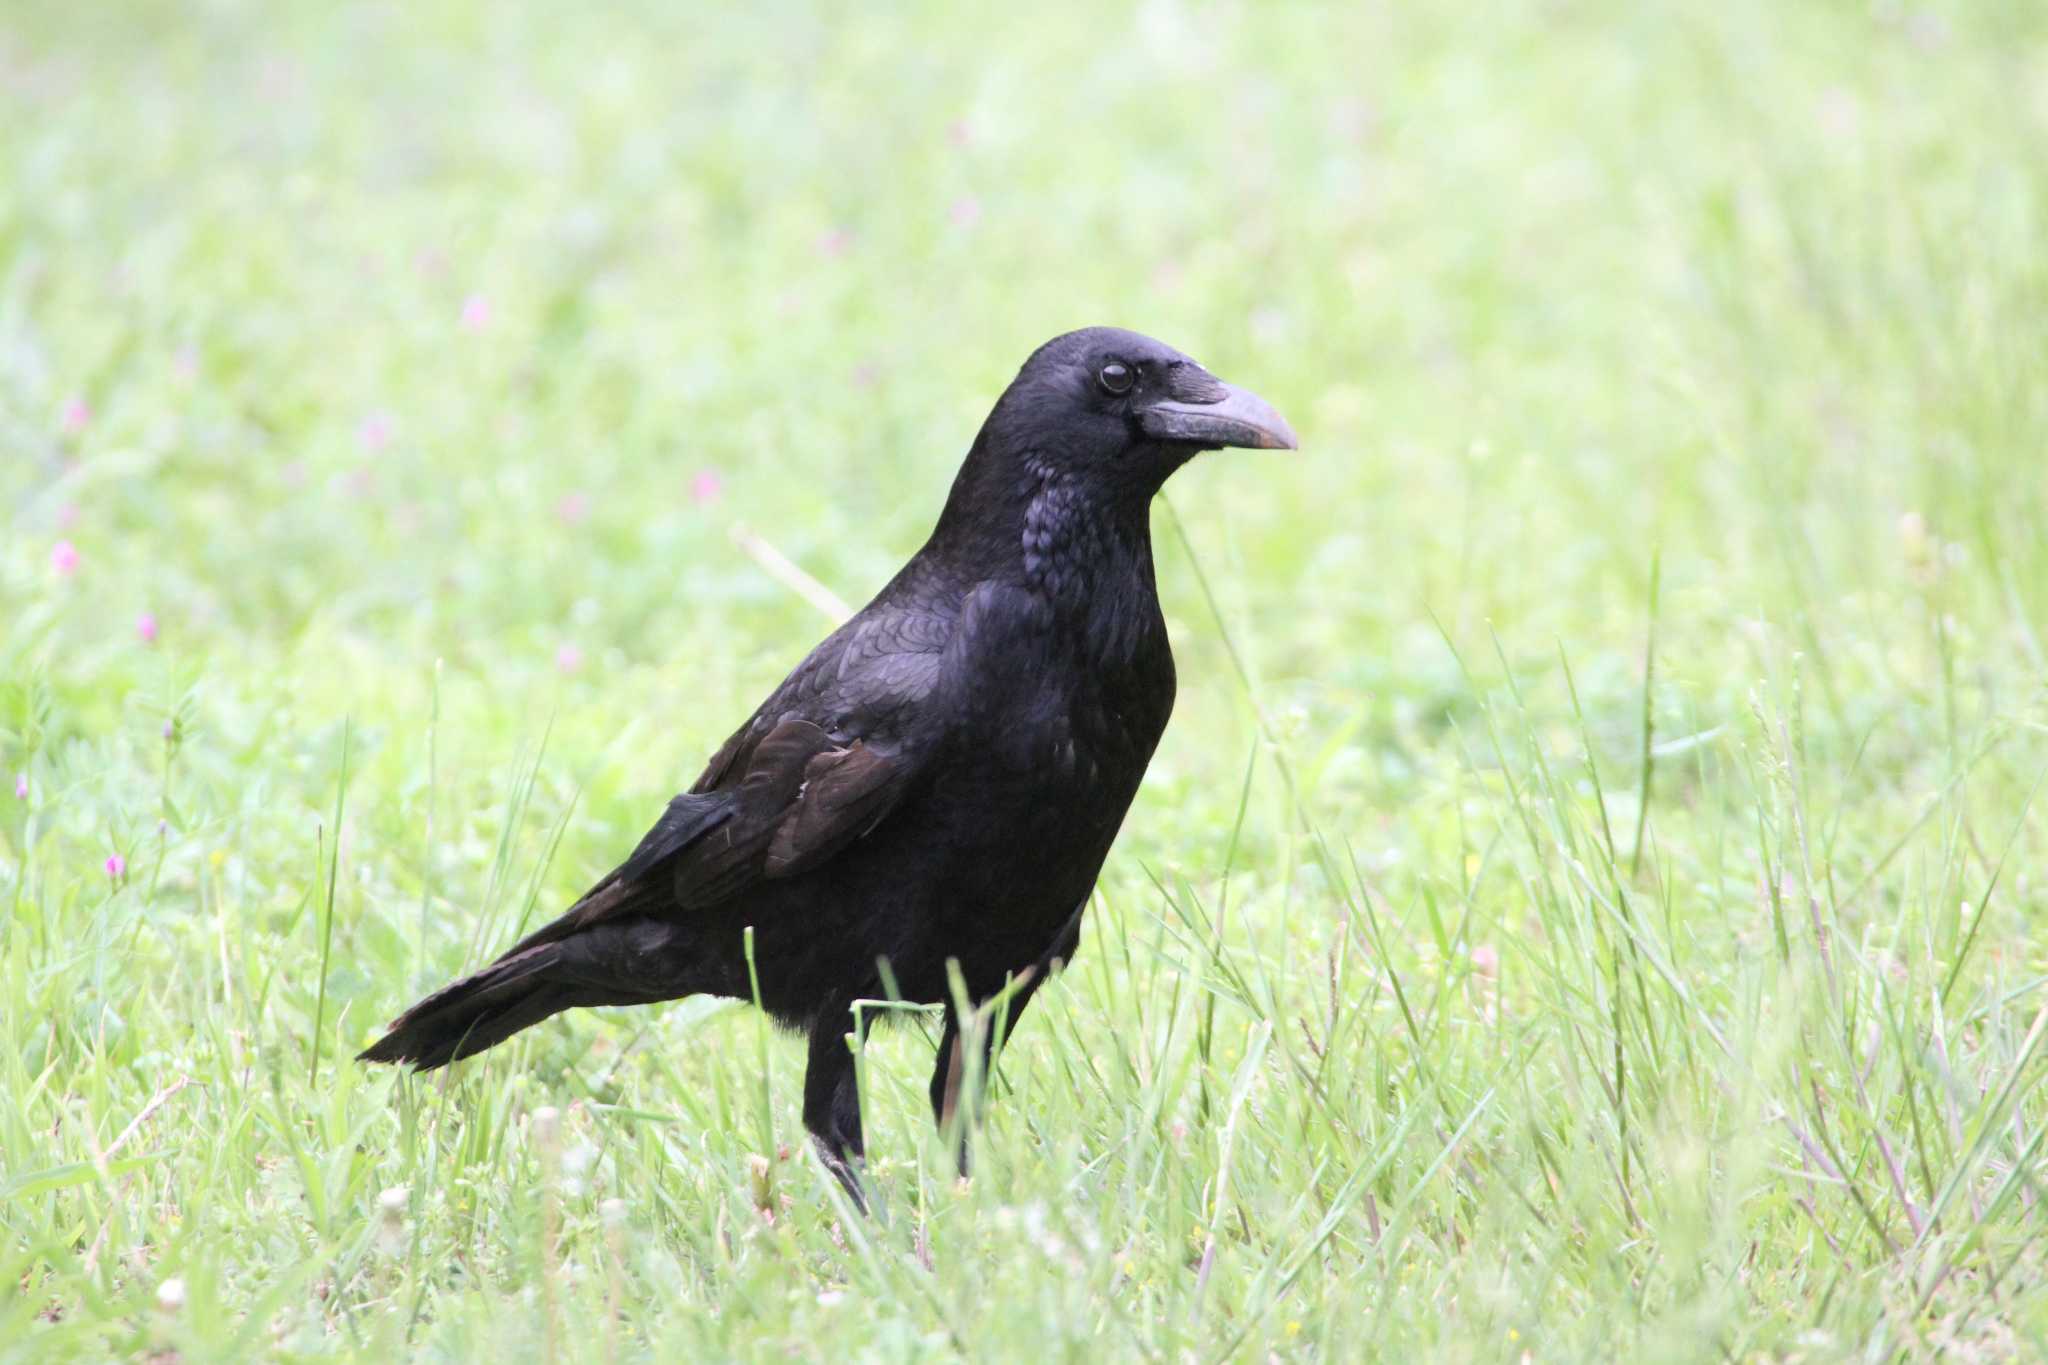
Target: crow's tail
point(479, 1011)
point(631, 961)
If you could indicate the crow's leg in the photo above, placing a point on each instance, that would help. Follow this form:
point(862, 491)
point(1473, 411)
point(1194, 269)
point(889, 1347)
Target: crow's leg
point(949, 1075)
point(832, 1103)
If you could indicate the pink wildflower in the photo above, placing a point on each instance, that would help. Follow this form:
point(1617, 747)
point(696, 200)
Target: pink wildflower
point(76, 417)
point(568, 659)
point(64, 558)
point(375, 432)
point(145, 628)
point(117, 866)
point(706, 487)
point(476, 313)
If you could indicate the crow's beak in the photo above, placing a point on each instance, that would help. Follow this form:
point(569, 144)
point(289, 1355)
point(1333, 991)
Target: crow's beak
point(1238, 418)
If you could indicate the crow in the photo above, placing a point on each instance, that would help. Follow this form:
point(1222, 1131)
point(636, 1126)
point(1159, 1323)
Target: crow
point(935, 787)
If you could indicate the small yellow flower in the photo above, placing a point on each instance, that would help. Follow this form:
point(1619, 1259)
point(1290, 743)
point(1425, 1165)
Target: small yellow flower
point(217, 857)
point(1293, 1328)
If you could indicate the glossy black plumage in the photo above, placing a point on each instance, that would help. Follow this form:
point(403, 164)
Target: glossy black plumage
point(939, 780)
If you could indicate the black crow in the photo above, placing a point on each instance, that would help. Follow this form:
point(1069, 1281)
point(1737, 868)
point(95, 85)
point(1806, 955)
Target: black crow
point(940, 780)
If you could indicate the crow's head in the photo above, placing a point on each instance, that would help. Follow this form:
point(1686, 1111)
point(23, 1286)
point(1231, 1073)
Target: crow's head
point(1089, 429)
point(1103, 402)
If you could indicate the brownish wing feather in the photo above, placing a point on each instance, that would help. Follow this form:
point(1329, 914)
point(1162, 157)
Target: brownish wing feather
point(846, 792)
point(771, 782)
point(804, 796)
point(784, 794)
point(798, 798)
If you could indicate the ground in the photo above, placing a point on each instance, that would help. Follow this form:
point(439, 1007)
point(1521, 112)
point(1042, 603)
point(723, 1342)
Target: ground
point(1588, 905)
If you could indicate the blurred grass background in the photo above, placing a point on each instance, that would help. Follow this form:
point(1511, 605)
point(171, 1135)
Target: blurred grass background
point(403, 371)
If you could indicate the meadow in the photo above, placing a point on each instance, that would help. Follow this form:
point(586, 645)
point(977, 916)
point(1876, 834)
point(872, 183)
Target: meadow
point(1589, 904)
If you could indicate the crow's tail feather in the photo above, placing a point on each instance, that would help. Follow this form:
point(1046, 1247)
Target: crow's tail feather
point(631, 961)
point(479, 1011)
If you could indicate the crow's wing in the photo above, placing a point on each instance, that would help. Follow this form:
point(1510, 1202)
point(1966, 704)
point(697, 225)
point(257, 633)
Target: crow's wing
point(802, 795)
point(821, 763)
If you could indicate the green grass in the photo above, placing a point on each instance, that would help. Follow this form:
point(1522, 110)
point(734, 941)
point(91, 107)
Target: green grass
point(1588, 905)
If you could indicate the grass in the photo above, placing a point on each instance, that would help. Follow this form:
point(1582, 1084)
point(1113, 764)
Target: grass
point(1589, 904)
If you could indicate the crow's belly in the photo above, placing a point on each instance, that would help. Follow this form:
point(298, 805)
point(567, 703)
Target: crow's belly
point(985, 874)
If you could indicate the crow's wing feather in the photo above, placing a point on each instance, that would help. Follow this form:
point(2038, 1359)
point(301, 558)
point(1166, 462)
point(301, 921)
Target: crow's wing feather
point(866, 680)
point(846, 793)
point(822, 762)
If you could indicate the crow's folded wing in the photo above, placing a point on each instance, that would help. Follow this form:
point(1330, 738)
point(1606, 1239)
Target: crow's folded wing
point(823, 762)
point(802, 797)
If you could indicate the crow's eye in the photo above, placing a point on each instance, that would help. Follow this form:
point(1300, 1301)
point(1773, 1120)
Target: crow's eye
point(1115, 377)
